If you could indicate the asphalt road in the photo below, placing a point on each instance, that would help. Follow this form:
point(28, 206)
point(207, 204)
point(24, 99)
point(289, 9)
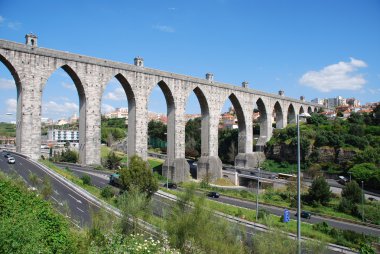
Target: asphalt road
point(66, 200)
point(100, 179)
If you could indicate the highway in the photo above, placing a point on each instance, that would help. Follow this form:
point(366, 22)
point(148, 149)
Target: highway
point(64, 198)
point(100, 179)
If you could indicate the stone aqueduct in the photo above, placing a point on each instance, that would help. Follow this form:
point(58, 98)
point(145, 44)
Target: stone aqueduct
point(31, 67)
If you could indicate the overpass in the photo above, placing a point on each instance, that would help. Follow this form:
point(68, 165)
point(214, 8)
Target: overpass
point(31, 67)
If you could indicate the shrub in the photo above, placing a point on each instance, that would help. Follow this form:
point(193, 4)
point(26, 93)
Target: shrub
point(319, 191)
point(86, 179)
point(107, 192)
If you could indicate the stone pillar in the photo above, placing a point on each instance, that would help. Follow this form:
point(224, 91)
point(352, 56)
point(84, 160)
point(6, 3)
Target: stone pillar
point(245, 155)
point(91, 124)
point(266, 130)
point(209, 164)
point(176, 163)
point(29, 115)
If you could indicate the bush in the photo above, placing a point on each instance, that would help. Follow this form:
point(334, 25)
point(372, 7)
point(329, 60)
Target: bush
point(319, 191)
point(352, 192)
point(86, 179)
point(107, 192)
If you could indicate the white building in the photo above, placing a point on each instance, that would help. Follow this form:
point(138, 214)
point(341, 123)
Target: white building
point(56, 135)
point(118, 113)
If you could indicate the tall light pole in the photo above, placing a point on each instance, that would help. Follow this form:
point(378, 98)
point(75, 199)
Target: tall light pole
point(257, 192)
point(167, 168)
point(362, 202)
point(299, 181)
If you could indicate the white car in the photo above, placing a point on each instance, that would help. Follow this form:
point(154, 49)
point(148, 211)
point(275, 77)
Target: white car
point(11, 160)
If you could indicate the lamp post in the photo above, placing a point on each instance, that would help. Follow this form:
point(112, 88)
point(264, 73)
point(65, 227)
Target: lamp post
point(168, 167)
point(257, 192)
point(299, 181)
point(362, 201)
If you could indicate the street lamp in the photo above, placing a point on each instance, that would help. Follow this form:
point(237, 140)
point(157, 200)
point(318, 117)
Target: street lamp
point(304, 115)
point(168, 167)
point(257, 192)
point(362, 201)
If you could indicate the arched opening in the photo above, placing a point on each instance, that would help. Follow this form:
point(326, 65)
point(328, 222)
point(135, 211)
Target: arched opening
point(301, 110)
point(161, 132)
point(260, 130)
point(309, 110)
point(315, 110)
point(278, 116)
point(197, 129)
point(63, 116)
point(291, 115)
point(10, 95)
point(232, 130)
point(118, 112)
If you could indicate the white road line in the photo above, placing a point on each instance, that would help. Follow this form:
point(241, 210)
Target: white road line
point(80, 209)
point(75, 199)
point(56, 192)
point(59, 203)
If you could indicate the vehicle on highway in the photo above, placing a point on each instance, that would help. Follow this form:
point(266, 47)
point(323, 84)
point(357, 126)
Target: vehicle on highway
point(7, 155)
point(170, 185)
point(304, 214)
point(342, 180)
point(213, 194)
point(11, 160)
point(289, 177)
point(115, 179)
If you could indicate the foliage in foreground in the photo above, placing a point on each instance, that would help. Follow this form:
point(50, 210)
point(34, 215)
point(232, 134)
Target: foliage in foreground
point(28, 224)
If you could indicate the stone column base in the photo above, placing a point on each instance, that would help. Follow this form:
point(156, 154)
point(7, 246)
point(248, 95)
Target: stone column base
point(249, 160)
point(210, 166)
point(179, 170)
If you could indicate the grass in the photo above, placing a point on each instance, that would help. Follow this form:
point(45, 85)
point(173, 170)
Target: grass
point(273, 197)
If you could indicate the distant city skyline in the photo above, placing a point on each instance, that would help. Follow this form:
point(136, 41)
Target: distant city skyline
point(320, 49)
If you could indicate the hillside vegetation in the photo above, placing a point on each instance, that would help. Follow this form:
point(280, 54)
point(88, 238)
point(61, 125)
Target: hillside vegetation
point(333, 146)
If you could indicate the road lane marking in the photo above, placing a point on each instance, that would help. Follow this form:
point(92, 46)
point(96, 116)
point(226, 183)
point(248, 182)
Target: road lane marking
point(80, 209)
point(75, 199)
point(59, 203)
point(56, 192)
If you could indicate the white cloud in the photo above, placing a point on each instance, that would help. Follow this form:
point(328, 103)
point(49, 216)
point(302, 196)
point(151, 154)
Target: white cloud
point(14, 25)
point(340, 76)
point(1, 19)
point(7, 83)
point(11, 105)
point(165, 29)
point(53, 108)
point(68, 86)
point(117, 95)
point(172, 9)
point(107, 108)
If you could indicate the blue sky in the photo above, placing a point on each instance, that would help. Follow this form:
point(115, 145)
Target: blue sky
point(311, 48)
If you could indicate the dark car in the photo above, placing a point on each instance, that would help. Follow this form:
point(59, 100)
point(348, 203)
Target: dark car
point(304, 214)
point(213, 194)
point(115, 180)
point(170, 186)
point(7, 155)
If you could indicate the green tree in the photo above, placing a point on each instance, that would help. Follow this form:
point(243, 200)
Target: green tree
point(86, 179)
point(319, 191)
point(352, 192)
point(157, 129)
point(196, 229)
point(112, 160)
point(69, 156)
point(138, 175)
point(134, 205)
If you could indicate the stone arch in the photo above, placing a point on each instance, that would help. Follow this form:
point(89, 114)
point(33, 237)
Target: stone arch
point(315, 109)
point(241, 122)
point(82, 108)
point(131, 137)
point(205, 122)
point(17, 80)
point(291, 114)
point(263, 121)
point(279, 115)
point(302, 110)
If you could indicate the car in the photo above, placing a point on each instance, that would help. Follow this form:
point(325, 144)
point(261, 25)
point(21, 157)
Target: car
point(115, 180)
point(213, 194)
point(342, 180)
point(304, 214)
point(7, 155)
point(170, 185)
point(11, 160)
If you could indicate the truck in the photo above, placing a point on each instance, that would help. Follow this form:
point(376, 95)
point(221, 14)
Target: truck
point(115, 179)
